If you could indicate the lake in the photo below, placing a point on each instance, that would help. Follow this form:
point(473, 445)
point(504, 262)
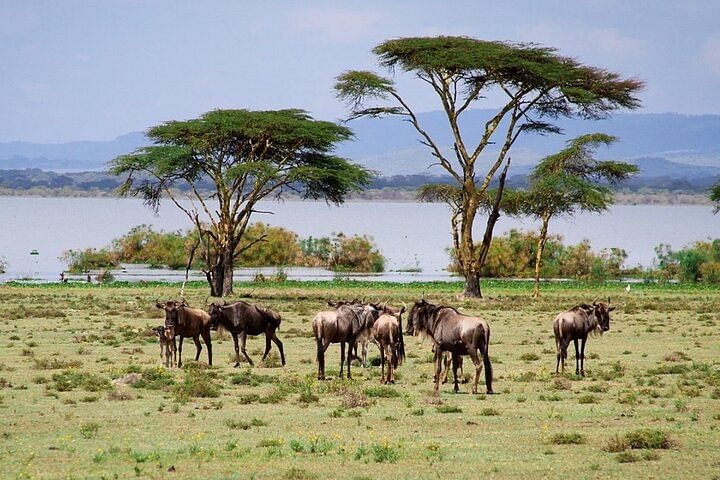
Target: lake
point(410, 235)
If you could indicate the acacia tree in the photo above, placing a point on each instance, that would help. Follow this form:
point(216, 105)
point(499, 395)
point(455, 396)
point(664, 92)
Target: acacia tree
point(536, 85)
point(571, 181)
point(244, 156)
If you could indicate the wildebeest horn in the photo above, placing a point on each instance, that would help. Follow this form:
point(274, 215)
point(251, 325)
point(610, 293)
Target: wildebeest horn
point(158, 304)
point(206, 299)
point(608, 299)
point(183, 302)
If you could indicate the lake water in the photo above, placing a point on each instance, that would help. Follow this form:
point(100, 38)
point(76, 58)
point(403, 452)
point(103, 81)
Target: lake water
point(410, 235)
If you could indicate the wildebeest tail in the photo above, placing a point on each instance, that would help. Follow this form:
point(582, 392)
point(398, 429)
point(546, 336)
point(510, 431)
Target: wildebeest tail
point(486, 360)
point(400, 347)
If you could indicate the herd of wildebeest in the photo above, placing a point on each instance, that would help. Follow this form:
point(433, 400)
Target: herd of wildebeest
point(357, 323)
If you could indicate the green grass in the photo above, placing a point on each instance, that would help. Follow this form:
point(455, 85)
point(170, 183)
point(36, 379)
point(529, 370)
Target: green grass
point(64, 411)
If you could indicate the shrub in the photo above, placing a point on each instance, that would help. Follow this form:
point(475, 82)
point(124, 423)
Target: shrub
point(385, 453)
point(89, 430)
point(71, 379)
point(79, 261)
point(197, 383)
point(648, 438)
point(573, 438)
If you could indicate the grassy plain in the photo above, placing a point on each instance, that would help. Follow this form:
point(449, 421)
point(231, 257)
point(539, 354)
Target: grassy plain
point(653, 381)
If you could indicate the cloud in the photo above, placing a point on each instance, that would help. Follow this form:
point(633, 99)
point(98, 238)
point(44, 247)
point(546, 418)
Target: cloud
point(710, 53)
point(610, 42)
point(342, 25)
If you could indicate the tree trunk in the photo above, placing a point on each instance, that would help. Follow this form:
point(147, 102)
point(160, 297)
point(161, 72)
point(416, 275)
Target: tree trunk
point(538, 254)
point(472, 285)
point(220, 276)
point(468, 259)
point(472, 265)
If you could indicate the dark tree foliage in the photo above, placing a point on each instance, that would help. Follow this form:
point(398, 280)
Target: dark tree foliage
point(245, 156)
point(715, 197)
point(537, 84)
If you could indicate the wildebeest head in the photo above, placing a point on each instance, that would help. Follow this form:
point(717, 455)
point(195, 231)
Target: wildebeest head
point(418, 317)
point(172, 309)
point(215, 312)
point(602, 313)
point(159, 331)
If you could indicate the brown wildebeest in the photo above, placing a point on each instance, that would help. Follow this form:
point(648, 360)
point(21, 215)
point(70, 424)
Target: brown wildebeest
point(452, 331)
point(342, 325)
point(387, 332)
point(576, 324)
point(168, 349)
point(188, 322)
point(243, 319)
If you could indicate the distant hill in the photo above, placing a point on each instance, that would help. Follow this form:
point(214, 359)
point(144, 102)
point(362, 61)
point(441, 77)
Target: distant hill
point(85, 155)
point(663, 145)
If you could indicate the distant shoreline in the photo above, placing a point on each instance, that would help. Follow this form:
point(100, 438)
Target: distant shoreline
point(380, 195)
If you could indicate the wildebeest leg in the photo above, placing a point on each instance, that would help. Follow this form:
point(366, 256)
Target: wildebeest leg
point(174, 360)
point(446, 364)
point(455, 364)
point(393, 364)
point(582, 356)
point(280, 347)
point(320, 358)
point(179, 360)
point(364, 353)
point(478, 368)
point(438, 366)
point(243, 341)
point(208, 344)
point(198, 347)
point(267, 346)
point(558, 348)
point(577, 357)
point(342, 357)
point(382, 364)
point(237, 350)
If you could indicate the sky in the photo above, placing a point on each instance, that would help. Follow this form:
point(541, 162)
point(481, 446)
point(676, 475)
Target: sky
point(93, 70)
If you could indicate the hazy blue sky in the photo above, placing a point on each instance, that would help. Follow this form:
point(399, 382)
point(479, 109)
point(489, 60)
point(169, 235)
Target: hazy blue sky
point(72, 70)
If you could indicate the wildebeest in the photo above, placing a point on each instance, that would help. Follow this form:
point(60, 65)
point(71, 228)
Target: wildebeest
point(243, 319)
point(342, 325)
point(576, 324)
point(452, 331)
point(188, 323)
point(387, 332)
point(168, 349)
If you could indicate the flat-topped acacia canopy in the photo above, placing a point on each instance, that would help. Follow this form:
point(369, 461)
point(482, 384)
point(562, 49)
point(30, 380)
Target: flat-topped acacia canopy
point(536, 86)
point(247, 156)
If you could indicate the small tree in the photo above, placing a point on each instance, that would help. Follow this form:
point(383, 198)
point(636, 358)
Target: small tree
point(228, 160)
point(715, 197)
point(535, 86)
point(571, 181)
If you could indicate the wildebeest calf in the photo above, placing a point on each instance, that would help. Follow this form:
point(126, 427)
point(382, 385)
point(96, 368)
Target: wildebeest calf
point(576, 324)
point(168, 349)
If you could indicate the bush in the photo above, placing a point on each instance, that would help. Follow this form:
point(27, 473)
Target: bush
point(699, 261)
point(573, 438)
point(260, 246)
point(513, 255)
point(79, 261)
